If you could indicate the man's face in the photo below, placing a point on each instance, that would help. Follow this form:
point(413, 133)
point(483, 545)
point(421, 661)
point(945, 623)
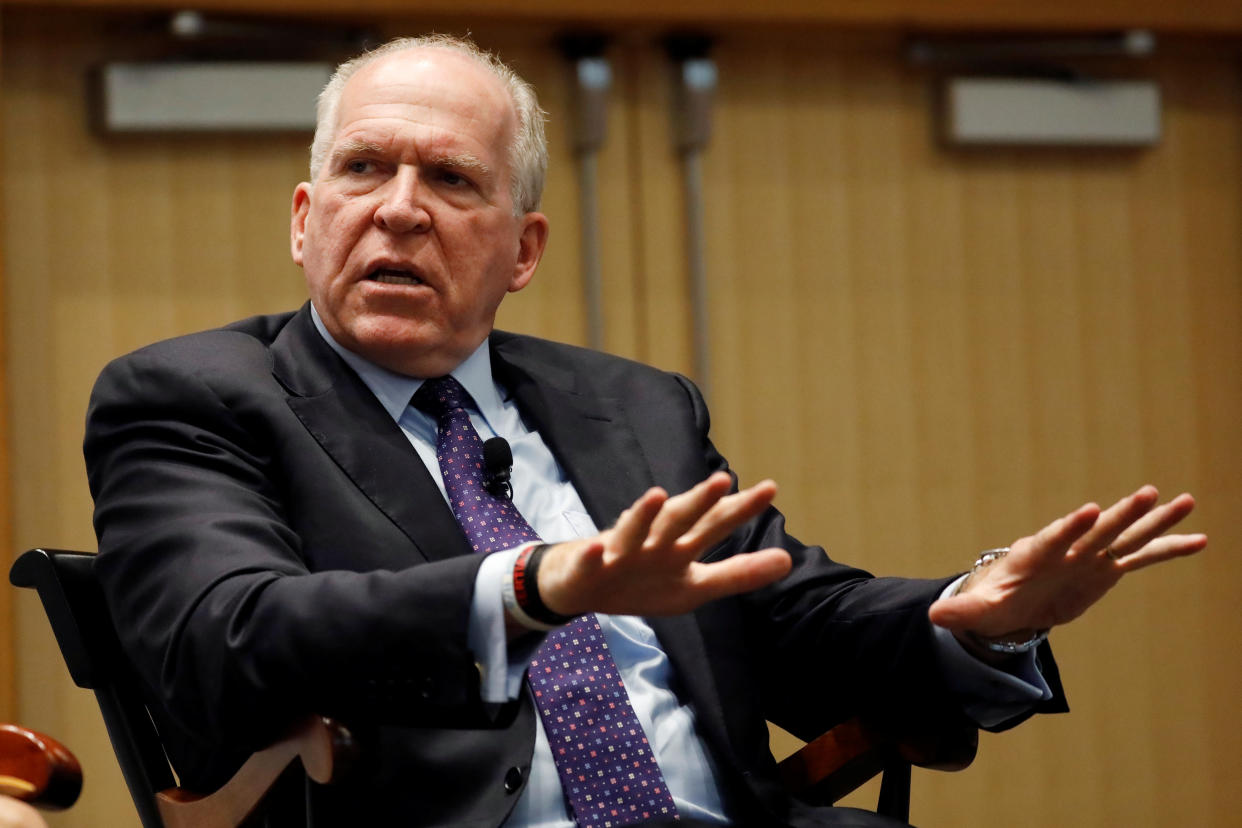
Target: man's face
point(407, 237)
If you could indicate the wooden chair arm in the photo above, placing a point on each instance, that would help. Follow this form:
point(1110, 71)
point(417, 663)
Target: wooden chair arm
point(37, 769)
point(839, 761)
point(325, 747)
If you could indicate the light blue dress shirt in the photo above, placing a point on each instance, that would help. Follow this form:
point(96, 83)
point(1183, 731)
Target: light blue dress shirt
point(548, 501)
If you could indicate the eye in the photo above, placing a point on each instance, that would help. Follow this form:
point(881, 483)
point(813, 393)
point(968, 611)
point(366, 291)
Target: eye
point(359, 166)
point(454, 179)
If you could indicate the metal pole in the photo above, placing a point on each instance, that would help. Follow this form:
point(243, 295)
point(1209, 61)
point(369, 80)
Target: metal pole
point(696, 254)
point(589, 253)
point(592, 81)
point(692, 102)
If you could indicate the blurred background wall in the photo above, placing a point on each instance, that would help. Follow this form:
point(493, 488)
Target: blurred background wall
point(970, 342)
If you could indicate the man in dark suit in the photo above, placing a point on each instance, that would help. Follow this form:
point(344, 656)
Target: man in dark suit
point(275, 538)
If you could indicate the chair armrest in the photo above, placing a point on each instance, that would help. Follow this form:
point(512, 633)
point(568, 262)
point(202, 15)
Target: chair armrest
point(839, 761)
point(325, 747)
point(38, 769)
point(950, 747)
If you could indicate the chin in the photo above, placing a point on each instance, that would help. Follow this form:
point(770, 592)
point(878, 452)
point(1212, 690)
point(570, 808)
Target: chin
point(415, 357)
point(414, 347)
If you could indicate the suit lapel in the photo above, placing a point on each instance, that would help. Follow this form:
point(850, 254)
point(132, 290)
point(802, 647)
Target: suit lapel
point(585, 431)
point(344, 417)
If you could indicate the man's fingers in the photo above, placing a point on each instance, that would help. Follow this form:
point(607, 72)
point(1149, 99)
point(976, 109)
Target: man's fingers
point(1055, 539)
point(634, 524)
point(683, 511)
point(1116, 518)
point(1151, 526)
point(726, 515)
point(742, 573)
point(1162, 548)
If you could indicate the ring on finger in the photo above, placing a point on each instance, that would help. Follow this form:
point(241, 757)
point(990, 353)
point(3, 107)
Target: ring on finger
point(1112, 553)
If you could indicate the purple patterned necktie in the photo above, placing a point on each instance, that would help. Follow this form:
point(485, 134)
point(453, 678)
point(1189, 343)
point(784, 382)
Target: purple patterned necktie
point(608, 773)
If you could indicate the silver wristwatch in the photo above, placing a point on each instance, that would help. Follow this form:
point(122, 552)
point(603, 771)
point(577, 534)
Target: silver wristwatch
point(1019, 641)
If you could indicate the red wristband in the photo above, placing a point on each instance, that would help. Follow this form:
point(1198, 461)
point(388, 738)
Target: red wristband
point(526, 587)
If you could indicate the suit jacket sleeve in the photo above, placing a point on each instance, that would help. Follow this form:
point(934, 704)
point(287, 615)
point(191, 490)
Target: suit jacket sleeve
point(197, 464)
point(832, 641)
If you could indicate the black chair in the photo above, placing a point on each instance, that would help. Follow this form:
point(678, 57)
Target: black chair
point(75, 606)
point(828, 768)
point(823, 771)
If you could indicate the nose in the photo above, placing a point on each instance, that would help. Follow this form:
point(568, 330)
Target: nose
point(401, 208)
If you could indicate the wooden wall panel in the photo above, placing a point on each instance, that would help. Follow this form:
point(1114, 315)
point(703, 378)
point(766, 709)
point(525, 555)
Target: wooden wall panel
point(931, 350)
point(937, 350)
point(111, 243)
point(1211, 16)
point(8, 638)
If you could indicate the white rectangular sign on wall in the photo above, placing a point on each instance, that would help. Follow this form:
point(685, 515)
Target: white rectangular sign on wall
point(209, 96)
point(1015, 111)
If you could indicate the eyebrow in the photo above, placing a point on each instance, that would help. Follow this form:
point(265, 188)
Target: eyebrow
point(354, 147)
point(463, 161)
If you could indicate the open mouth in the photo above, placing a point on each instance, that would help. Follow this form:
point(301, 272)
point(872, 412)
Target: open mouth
point(394, 276)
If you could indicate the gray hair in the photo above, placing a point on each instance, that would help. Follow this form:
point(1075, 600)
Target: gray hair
point(528, 154)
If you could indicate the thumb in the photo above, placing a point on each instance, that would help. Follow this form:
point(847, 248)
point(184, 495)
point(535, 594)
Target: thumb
point(958, 612)
point(743, 573)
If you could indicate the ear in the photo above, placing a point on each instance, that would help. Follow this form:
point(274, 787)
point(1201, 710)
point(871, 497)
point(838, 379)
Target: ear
point(532, 240)
point(297, 220)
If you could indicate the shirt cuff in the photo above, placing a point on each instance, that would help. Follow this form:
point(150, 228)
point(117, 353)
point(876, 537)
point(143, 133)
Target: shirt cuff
point(501, 662)
point(989, 695)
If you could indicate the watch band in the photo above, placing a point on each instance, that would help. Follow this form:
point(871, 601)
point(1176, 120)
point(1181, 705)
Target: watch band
point(1018, 641)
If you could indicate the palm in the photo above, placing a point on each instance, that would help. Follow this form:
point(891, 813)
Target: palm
point(1055, 575)
point(647, 564)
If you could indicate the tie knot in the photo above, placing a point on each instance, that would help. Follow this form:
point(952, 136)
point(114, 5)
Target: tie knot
point(440, 396)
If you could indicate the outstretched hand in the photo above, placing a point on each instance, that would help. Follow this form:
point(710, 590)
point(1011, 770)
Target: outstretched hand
point(1053, 576)
point(647, 563)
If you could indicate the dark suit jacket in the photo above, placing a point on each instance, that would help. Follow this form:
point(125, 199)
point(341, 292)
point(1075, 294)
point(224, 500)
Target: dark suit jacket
point(271, 546)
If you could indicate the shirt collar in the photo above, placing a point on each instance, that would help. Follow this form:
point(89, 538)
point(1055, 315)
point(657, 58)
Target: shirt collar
point(394, 390)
